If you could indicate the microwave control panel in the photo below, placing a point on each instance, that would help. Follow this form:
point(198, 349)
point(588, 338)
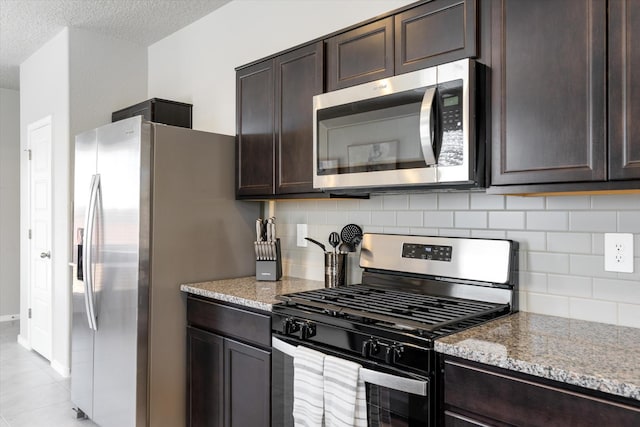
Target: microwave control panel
point(451, 99)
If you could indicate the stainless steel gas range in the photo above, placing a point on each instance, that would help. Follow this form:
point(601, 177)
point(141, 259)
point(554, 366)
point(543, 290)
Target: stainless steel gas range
point(414, 289)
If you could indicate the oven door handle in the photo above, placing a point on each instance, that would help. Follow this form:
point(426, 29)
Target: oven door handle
point(394, 382)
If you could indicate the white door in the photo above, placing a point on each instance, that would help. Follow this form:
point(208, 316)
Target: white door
point(39, 140)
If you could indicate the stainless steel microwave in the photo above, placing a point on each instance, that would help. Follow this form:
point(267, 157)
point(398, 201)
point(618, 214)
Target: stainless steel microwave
point(414, 129)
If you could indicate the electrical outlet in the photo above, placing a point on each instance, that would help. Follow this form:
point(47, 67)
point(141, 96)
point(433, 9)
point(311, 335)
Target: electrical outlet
point(300, 235)
point(618, 252)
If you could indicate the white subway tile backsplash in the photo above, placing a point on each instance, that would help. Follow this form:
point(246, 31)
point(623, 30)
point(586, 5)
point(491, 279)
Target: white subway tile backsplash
point(592, 221)
point(593, 310)
point(567, 203)
point(359, 217)
point(506, 220)
point(561, 242)
point(372, 204)
point(577, 243)
point(529, 240)
point(470, 219)
point(395, 202)
point(489, 234)
point(438, 219)
point(533, 282)
point(552, 305)
point(617, 290)
point(617, 202)
point(569, 286)
point(409, 218)
point(547, 221)
point(317, 217)
point(457, 201)
point(397, 230)
point(383, 218)
point(629, 222)
point(454, 232)
point(546, 262)
point(629, 315)
point(597, 243)
point(487, 202)
point(588, 265)
point(423, 201)
point(525, 203)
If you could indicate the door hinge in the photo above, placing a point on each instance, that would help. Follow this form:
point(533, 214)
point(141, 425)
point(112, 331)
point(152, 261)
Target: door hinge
point(29, 313)
point(28, 150)
point(29, 233)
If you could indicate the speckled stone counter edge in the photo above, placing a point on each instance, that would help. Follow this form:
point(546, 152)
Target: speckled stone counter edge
point(225, 297)
point(549, 372)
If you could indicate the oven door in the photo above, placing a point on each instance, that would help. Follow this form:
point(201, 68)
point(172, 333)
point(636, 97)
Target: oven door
point(394, 398)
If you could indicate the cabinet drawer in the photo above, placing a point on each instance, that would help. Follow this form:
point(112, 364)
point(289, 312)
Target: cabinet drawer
point(517, 401)
point(230, 321)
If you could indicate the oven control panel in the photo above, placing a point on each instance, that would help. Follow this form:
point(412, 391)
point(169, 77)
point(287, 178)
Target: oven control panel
point(429, 252)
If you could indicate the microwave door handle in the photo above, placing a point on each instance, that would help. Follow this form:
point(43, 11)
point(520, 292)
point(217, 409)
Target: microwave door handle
point(427, 126)
point(394, 382)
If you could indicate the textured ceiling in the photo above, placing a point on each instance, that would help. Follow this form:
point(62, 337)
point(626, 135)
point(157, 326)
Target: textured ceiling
point(26, 25)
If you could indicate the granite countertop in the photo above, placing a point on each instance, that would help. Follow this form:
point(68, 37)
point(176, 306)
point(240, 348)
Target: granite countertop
point(587, 354)
point(249, 292)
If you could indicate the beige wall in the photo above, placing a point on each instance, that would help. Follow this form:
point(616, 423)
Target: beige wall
point(9, 204)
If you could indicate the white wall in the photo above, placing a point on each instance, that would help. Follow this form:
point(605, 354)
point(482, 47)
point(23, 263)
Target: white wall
point(78, 78)
point(44, 91)
point(106, 75)
point(196, 64)
point(9, 203)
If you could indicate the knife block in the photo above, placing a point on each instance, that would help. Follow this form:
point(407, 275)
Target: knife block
point(270, 270)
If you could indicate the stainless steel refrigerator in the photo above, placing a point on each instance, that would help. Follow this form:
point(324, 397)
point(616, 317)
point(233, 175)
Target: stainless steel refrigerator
point(154, 207)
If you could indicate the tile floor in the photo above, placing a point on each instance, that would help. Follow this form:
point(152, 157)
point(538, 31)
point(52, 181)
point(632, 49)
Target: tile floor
point(31, 393)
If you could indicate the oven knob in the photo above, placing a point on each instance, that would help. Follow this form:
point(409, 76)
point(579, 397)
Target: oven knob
point(369, 347)
point(289, 326)
point(393, 354)
point(307, 330)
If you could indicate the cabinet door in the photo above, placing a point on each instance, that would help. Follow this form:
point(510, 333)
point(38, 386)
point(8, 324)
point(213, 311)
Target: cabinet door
point(360, 55)
point(299, 76)
point(624, 89)
point(436, 32)
point(548, 91)
point(254, 129)
point(247, 385)
point(204, 379)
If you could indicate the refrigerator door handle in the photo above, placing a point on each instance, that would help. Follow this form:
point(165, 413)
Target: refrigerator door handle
point(87, 264)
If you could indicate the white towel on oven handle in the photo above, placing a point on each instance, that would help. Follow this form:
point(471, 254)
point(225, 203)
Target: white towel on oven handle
point(345, 401)
point(308, 383)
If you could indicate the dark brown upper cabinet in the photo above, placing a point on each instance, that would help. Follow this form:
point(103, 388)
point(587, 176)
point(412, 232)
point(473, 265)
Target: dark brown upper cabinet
point(275, 123)
point(548, 91)
point(254, 130)
point(624, 89)
point(361, 55)
point(299, 76)
point(433, 33)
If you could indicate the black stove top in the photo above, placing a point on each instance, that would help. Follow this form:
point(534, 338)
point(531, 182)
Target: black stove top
point(395, 308)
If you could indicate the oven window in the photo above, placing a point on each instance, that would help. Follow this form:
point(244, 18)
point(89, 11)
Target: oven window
point(391, 408)
point(385, 407)
point(373, 135)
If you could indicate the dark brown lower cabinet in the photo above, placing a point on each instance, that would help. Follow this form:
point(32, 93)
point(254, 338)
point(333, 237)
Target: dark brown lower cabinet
point(479, 395)
point(228, 365)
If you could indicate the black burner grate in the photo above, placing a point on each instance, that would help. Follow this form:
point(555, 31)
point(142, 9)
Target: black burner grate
point(424, 312)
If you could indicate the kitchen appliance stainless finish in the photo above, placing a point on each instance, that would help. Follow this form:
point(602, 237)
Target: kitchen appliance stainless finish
point(414, 129)
point(414, 289)
point(154, 207)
